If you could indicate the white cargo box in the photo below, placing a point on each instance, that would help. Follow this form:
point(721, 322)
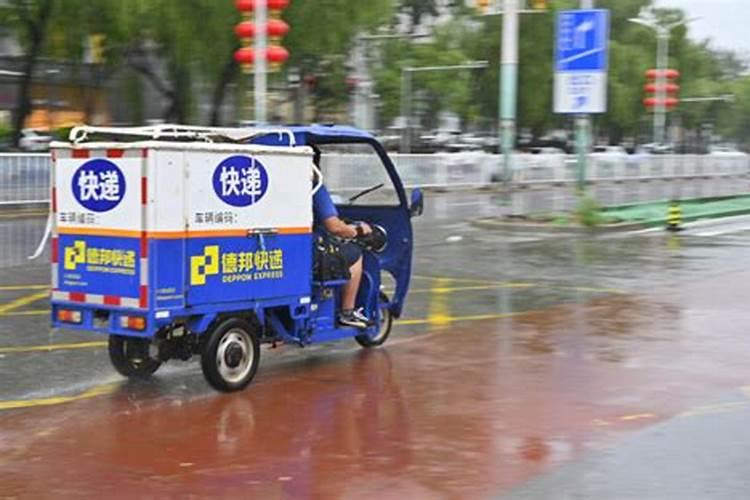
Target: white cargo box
point(162, 224)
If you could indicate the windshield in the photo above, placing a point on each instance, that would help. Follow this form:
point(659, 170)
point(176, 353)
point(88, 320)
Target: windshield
point(355, 175)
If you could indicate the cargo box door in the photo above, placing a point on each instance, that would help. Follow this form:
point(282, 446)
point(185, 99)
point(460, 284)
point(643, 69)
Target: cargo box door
point(97, 201)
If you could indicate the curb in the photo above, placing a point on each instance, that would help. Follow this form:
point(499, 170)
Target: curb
point(706, 199)
point(696, 217)
point(499, 224)
point(524, 227)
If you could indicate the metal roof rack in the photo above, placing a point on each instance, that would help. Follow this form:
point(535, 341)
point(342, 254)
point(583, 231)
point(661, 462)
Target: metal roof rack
point(167, 132)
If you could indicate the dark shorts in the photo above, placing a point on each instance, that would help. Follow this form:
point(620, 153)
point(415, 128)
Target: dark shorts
point(351, 253)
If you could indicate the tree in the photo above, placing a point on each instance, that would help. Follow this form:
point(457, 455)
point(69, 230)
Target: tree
point(322, 35)
point(30, 19)
point(457, 91)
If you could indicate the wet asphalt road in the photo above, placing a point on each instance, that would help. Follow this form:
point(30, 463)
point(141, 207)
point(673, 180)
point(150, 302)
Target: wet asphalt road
point(527, 366)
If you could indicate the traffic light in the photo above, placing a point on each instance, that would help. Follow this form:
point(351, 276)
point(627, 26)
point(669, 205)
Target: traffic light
point(96, 48)
point(539, 5)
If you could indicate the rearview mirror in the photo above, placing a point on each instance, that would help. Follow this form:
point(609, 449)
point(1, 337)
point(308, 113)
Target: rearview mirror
point(417, 203)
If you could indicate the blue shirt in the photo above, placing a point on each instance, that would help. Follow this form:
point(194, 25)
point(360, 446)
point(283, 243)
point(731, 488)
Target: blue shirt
point(323, 207)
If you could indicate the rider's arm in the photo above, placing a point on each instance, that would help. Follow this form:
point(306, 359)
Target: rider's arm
point(325, 210)
point(339, 228)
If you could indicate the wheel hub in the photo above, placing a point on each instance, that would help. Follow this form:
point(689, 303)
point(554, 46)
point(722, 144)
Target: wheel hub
point(233, 355)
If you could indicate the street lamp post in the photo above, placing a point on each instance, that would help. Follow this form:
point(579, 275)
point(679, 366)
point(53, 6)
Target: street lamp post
point(364, 116)
point(662, 60)
point(406, 77)
point(508, 85)
point(261, 46)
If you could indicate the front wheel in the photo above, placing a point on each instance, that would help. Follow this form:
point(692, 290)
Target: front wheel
point(131, 358)
point(231, 355)
point(386, 322)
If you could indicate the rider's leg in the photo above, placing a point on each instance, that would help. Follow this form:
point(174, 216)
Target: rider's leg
point(349, 292)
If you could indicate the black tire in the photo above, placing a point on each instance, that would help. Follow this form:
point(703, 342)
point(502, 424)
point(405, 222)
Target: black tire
point(231, 355)
point(386, 323)
point(131, 358)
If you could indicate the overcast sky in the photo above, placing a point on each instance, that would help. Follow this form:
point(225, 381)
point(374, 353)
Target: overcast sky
point(725, 22)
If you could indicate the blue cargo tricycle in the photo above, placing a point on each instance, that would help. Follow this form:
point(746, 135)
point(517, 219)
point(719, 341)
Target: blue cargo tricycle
point(179, 241)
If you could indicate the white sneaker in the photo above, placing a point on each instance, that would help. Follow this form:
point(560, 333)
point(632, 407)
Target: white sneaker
point(352, 318)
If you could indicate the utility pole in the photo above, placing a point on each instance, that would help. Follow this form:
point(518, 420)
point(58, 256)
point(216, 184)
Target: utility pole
point(583, 131)
point(508, 85)
point(406, 110)
point(261, 44)
point(662, 60)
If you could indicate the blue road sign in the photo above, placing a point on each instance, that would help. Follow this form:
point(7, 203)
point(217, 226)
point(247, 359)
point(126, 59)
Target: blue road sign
point(581, 52)
point(582, 39)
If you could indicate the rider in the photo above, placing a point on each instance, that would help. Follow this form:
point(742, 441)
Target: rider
point(326, 216)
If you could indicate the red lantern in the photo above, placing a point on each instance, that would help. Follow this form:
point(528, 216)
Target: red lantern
point(245, 55)
point(272, 5)
point(245, 30)
point(276, 55)
point(669, 74)
point(245, 5)
point(278, 4)
point(669, 102)
point(669, 88)
point(277, 29)
point(661, 89)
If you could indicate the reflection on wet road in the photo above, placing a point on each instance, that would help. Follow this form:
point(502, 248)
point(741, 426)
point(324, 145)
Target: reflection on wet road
point(520, 356)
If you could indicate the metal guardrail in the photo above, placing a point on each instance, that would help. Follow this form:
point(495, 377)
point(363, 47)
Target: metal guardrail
point(24, 178)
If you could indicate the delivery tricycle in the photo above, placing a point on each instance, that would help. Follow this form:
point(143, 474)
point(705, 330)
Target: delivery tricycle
point(179, 241)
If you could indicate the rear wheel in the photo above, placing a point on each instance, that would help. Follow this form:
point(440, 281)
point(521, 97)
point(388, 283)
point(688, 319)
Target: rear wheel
point(384, 330)
point(231, 355)
point(130, 357)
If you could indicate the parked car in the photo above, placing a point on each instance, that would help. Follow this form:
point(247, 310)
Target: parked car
point(545, 151)
point(724, 150)
point(653, 148)
point(34, 140)
point(609, 151)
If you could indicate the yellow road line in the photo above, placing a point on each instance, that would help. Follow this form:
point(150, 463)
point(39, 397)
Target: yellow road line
point(25, 300)
point(479, 284)
point(32, 312)
point(458, 319)
point(24, 215)
point(469, 288)
point(457, 280)
point(99, 390)
point(23, 287)
point(439, 310)
point(53, 347)
point(638, 416)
